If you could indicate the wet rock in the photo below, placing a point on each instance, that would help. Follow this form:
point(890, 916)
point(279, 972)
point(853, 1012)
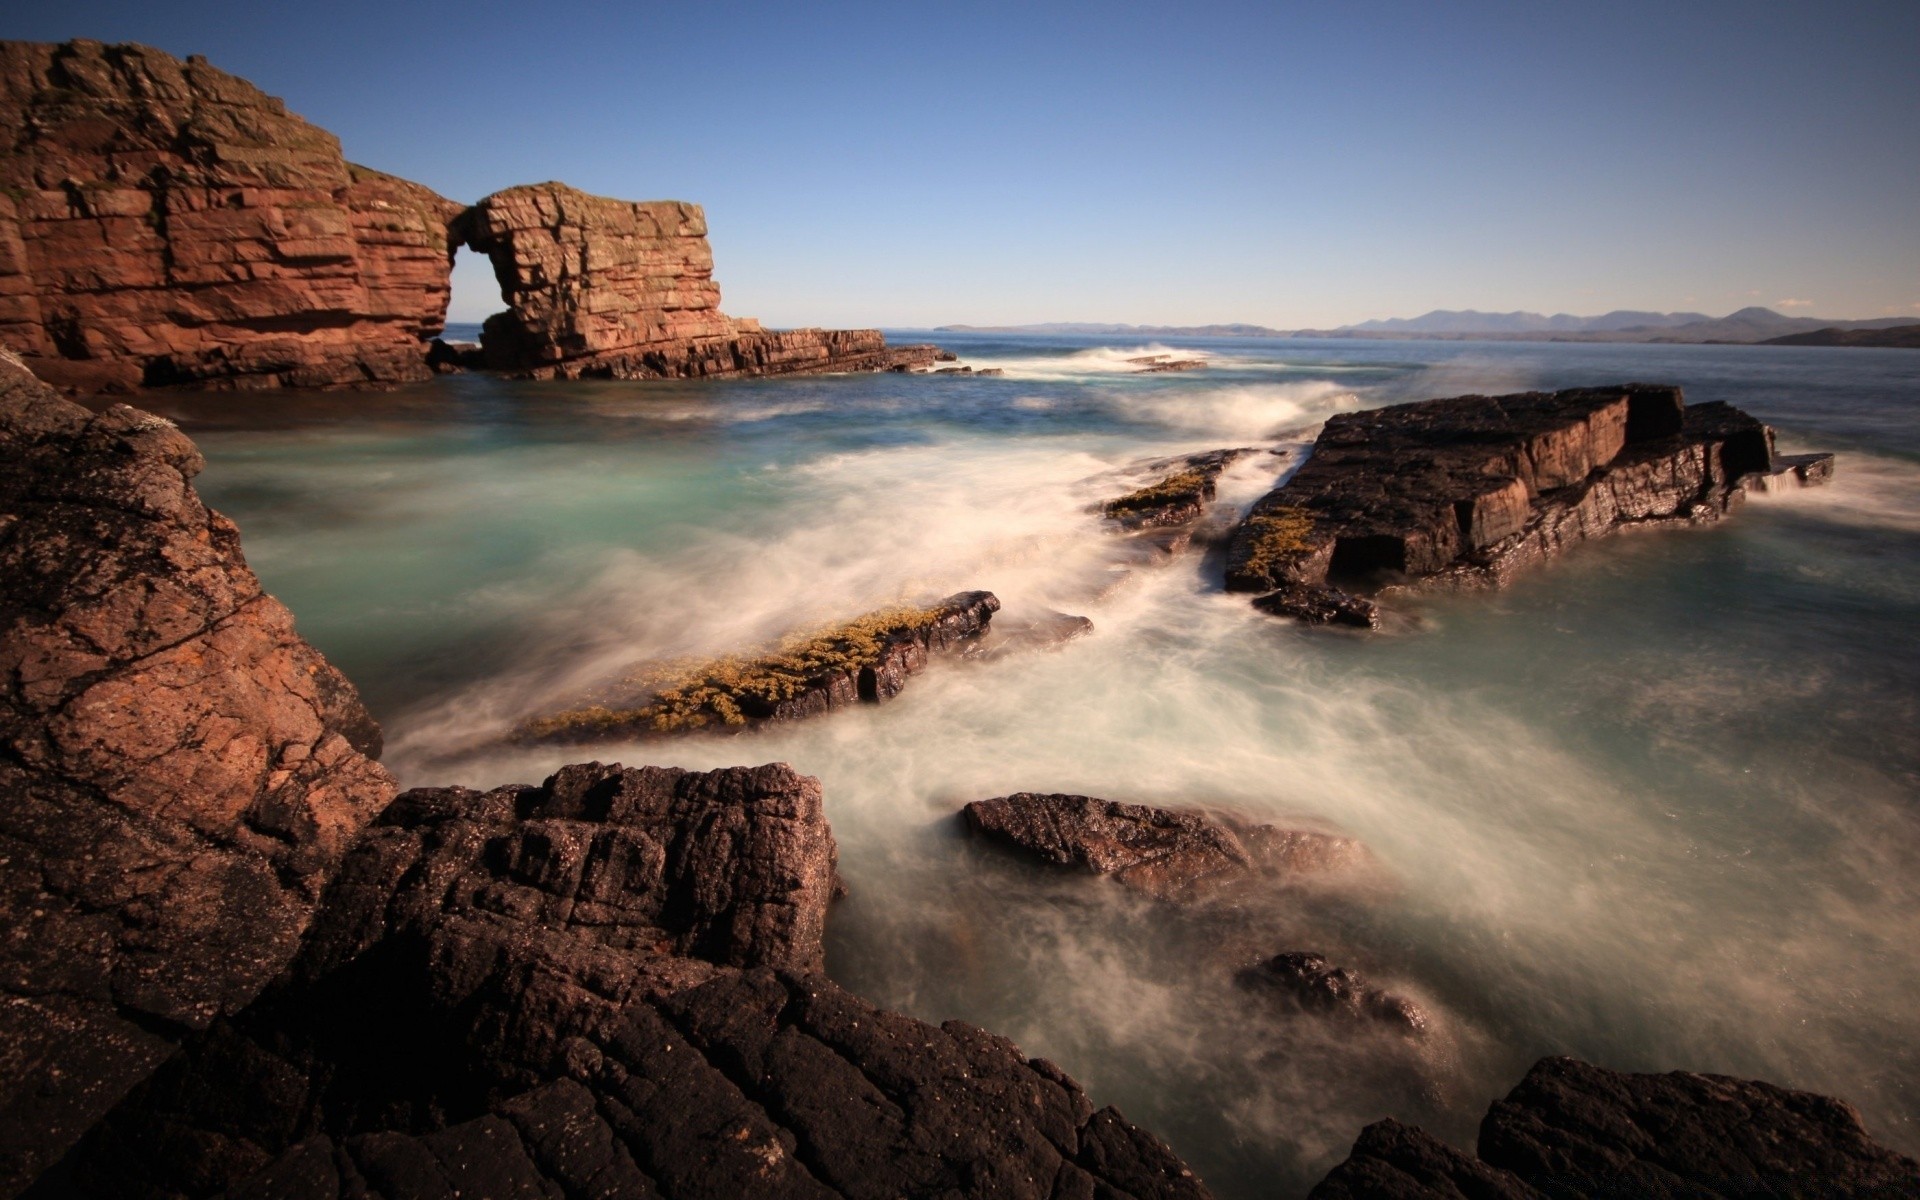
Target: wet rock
point(1317, 986)
point(1169, 854)
point(1019, 635)
point(182, 773)
point(447, 357)
point(614, 289)
point(165, 223)
point(989, 372)
point(1573, 1129)
point(1791, 471)
point(605, 985)
point(1154, 363)
point(1322, 605)
point(1178, 496)
point(865, 660)
point(1468, 491)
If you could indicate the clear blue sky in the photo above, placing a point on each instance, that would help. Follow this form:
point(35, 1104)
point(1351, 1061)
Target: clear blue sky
point(1289, 165)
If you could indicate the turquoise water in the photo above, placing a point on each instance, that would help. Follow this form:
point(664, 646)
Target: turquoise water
point(1654, 806)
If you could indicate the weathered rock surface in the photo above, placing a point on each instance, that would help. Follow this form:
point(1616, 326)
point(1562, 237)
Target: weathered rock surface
point(607, 288)
point(1572, 1129)
point(1169, 854)
point(1317, 986)
point(866, 660)
point(602, 986)
point(1179, 496)
point(165, 223)
point(1468, 491)
point(181, 773)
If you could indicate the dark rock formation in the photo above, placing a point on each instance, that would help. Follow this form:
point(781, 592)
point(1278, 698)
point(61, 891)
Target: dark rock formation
point(864, 660)
point(1169, 854)
point(1791, 471)
point(181, 773)
point(613, 289)
point(1178, 496)
point(1572, 1129)
point(164, 222)
point(1316, 986)
point(602, 986)
point(1470, 490)
point(1156, 363)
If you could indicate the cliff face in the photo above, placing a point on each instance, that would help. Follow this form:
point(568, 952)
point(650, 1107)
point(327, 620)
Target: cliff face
point(180, 774)
point(616, 289)
point(164, 222)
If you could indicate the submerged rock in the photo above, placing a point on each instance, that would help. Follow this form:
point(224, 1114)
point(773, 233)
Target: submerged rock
point(1573, 1129)
point(605, 985)
point(1047, 630)
point(1468, 491)
point(868, 659)
point(181, 773)
point(1169, 854)
point(1154, 363)
point(1317, 986)
point(1179, 496)
point(617, 289)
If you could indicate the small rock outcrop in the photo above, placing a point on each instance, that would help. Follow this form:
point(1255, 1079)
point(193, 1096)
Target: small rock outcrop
point(1317, 986)
point(606, 985)
point(1179, 496)
point(164, 222)
point(602, 288)
point(864, 660)
point(1169, 854)
point(1468, 491)
point(1571, 1129)
point(182, 774)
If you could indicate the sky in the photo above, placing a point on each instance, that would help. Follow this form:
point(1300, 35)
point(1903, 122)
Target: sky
point(1292, 165)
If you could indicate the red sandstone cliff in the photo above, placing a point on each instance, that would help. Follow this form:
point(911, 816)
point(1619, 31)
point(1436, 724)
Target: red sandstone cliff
point(164, 222)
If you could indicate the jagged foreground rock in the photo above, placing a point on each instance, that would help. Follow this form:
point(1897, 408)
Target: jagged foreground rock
point(604, 986)
point(180, 774)
point(1575, 1130)
point(165, 222)
point(1469, 490)
point(612, 289)
point(1169, 854)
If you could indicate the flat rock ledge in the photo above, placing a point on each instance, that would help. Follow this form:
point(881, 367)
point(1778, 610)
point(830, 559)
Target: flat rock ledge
point(606, 985)
point(1571, 1129)
point(1179, 496)
point(1467, 491)
point(867, 660)
point(1168, 854)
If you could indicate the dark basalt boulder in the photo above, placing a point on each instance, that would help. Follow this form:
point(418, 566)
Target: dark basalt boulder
point(1571, 1129)
point(1313, 984)
point(180, 774)
point(606, 985)
point(1470, 490)
point(1169, 854)
point(1178, 496)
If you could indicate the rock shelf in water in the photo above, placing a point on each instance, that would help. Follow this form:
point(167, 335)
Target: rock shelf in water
point(1575, 1130)
point(1317, 986)
point(863, 660)
point(1169, 854)
point(1470, 490)
point(1179, 496)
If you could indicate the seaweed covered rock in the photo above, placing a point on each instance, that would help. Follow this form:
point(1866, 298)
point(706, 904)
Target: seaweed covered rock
point(605, 985)
point(1573, 1129)
point(164, 222)
point(1169, 854)
point(182, 774)
point(864, 660)
point(1469, 490)
point(1178, 496)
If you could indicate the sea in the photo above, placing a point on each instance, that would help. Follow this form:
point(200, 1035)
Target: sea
point(1656, 805)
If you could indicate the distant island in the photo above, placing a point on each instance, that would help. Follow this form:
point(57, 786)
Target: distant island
point(1747, 326)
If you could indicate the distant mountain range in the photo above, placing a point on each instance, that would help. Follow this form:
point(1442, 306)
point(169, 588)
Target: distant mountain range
point(1748, 325)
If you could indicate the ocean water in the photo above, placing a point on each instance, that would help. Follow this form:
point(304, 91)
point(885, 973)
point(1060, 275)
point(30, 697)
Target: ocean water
point(1656, 806)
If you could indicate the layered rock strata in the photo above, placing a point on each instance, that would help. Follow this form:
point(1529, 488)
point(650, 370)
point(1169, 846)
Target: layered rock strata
point(1469, 490)
point(1573, 1130)
point(866, 660)
point(181, 773)
point(601, 288)
point(166, 223)
point(606, 985)
point(1169, 854)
